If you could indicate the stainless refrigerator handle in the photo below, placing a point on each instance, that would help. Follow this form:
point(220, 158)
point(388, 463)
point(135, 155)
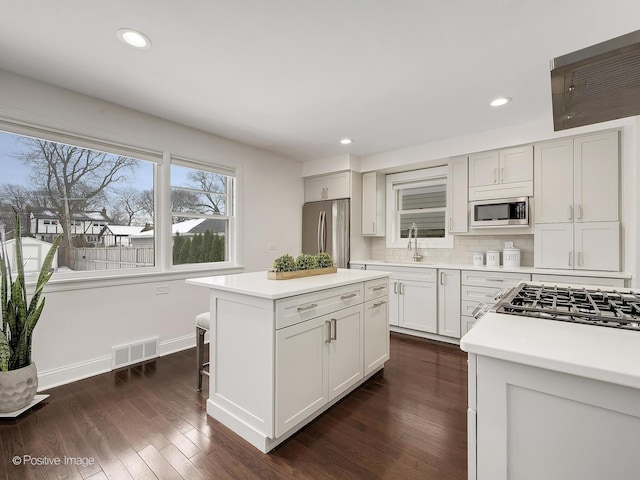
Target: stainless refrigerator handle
point(318, 231)
point(324, 231)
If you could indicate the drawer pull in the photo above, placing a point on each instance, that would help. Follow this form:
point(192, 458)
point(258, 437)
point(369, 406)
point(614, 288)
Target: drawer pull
point(494, 280)
point(377, 304)
point(334, 322)
point(307, 307)
point(328, 324)
point(379, 287)
point(348, 295)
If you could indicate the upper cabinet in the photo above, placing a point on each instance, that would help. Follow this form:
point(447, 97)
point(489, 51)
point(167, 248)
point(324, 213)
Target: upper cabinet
point(373, 204)
point(501, 173)
point(327, 187)
point(457, 195)
point(576, 179)
point(576, 203)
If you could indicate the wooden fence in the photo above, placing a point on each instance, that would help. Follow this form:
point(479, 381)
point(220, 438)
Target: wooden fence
point(106, 258)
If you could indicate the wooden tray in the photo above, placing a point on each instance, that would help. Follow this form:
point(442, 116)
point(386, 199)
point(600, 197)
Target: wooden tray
point(300, 273)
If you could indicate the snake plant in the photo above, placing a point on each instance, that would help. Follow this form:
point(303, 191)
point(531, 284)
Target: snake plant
point(19, 314)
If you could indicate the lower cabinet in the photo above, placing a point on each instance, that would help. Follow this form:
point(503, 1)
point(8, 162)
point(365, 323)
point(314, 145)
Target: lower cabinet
point(376, 333)
point(316, 361)
point(449, 303)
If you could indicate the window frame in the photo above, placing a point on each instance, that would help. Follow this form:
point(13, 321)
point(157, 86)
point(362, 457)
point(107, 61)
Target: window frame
point(231, 243)
point(161, 162)
point(395, 183)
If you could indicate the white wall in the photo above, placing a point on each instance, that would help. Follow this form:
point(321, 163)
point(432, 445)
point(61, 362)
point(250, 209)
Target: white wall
point(80, 325)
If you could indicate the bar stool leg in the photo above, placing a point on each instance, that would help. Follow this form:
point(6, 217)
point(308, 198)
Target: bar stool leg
point(200, 354)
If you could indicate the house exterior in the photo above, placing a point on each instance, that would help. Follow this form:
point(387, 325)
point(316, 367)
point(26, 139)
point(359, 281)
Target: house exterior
point(188, 228)
point(46, 225)
point(118, 235)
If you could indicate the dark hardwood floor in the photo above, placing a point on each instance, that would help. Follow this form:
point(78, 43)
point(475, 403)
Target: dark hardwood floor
point(147, 422)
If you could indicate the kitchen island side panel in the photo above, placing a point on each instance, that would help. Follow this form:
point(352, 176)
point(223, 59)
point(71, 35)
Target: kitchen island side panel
point(242, 357)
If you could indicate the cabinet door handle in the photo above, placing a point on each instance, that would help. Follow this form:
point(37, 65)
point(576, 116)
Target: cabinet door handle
point(401, 285)
point(328, 324)
point(570, 212)
point(579, 207)
point(571, 259)
point(441, 278)
point(302, 308)
point(348, 296)
point(373, 227)
point(450, 224)
point(379, 287)
point(502, 175)
point(335, 329)
point(495, 175)
point(395, 287)
point(378, 304)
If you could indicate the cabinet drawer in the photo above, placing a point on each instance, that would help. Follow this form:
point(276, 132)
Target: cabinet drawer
point(376, 288)
point(468, 307)
point(480, 294)
point(578, 281)
point(493, 279)
point(292, 310)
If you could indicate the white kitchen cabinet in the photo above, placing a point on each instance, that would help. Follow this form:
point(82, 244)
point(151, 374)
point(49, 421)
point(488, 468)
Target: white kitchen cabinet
point(301, 362)
point(478, 287)
point(553, 186)
point(376, 326)
point(458, 195)
point(449, 303)
point(534, 423)
point(373, 204)
point(327, 187)
point(417, 305)
point(346, 349)
point(501, 173)
point(574, 280)
point(576, 179)
point(595, 161)
point(579, 246)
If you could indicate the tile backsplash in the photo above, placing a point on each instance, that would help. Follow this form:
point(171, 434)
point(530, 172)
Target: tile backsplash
point(464, 246)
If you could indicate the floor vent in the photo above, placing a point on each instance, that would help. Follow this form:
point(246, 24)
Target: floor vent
point(124, 355)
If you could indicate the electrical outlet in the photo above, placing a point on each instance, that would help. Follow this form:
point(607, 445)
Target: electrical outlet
point(508, 244)
point(272, 246)
point(162, 290)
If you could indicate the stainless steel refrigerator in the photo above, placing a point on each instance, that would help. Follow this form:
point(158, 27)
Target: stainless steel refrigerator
point(325, 228)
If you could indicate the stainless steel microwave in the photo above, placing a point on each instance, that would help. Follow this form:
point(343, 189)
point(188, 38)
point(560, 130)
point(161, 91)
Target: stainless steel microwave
point(506, 212)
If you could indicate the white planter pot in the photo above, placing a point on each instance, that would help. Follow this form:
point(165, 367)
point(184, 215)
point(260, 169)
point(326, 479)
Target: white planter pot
point(17, 388)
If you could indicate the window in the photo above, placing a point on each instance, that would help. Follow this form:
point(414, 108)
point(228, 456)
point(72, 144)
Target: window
point(418, 198)
point(65, 188)
point(202, 214)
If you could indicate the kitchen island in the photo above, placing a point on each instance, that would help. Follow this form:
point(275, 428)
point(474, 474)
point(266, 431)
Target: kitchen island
point(284, 351)
point(552, 399)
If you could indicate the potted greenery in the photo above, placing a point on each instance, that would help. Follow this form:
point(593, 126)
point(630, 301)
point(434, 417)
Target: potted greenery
point(287, 267)
point(18, 375)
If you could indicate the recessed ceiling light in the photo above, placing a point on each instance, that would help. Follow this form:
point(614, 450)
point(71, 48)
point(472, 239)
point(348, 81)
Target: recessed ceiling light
point(498, 102)
point(134, 38)
point(346, 141)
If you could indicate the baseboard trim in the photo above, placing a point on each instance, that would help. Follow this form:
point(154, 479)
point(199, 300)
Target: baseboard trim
point(79, 371)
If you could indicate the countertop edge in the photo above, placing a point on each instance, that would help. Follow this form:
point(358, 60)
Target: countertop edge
point(484, 268)
point(208, 282)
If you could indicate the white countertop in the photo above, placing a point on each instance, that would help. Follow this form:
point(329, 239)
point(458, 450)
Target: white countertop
point(600, 353)
point(257, 284)
point(468, 266)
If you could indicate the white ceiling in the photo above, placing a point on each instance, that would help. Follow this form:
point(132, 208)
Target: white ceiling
point(294, 76)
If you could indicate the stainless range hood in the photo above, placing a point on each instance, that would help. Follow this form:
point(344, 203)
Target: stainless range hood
point(597, 83)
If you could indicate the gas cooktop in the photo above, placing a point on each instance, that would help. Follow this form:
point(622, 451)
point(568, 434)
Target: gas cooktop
point(601, 307)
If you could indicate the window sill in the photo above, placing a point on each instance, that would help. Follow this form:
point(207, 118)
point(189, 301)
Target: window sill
point(83, 283)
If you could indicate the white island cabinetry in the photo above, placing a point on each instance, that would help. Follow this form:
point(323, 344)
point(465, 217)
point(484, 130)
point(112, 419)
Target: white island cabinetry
point(283, 351)
point(546, 397)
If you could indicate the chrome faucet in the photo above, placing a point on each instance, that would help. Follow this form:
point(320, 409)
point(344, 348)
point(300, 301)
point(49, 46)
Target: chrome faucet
point(414, 229)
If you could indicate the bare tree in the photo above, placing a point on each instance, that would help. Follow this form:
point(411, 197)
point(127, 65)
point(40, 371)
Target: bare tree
point(147, 204)
point(213, 188)
point(74, 179)
point(129, 205)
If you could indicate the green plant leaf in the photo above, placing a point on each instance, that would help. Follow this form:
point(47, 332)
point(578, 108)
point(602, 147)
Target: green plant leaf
point(5, 352)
